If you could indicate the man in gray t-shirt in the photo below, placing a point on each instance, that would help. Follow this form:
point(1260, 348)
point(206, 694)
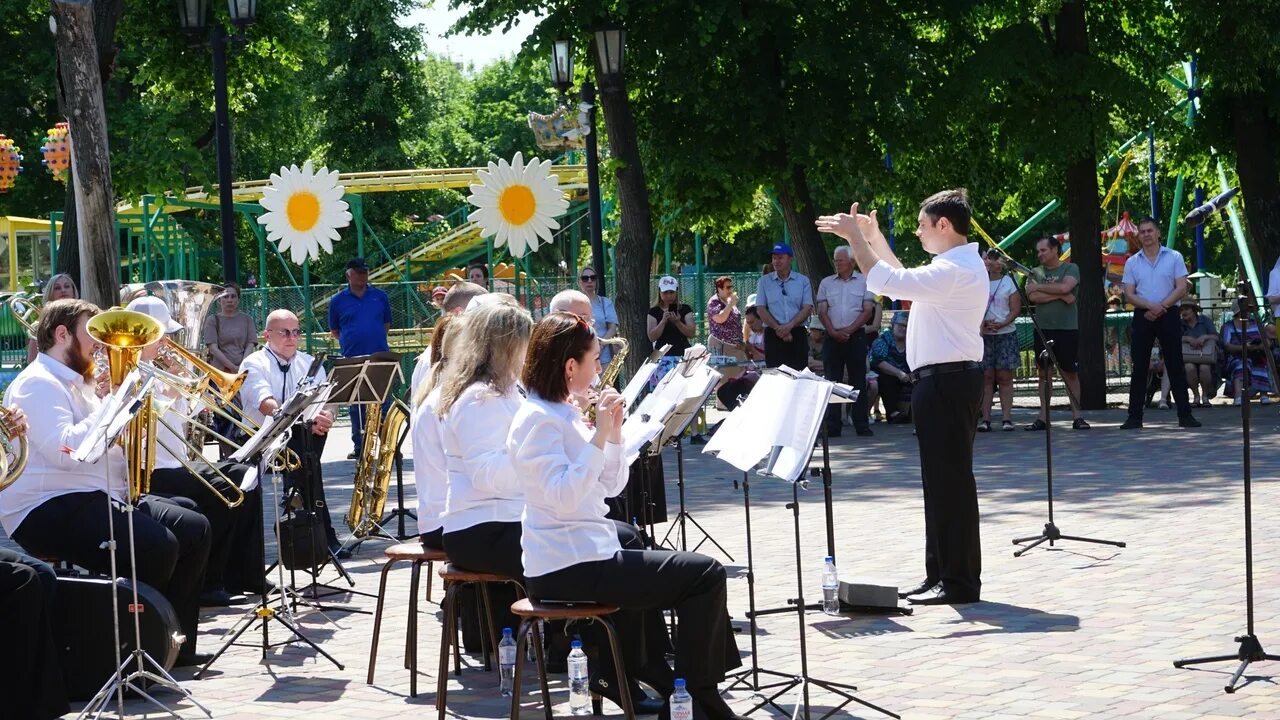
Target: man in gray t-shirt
point(1054, 291)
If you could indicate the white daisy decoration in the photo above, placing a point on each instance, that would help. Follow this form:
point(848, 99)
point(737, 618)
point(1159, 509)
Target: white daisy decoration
point(304, 211)
point(518, 203)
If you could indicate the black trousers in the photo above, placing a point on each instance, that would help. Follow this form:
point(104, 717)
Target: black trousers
point(308, 478)
point(793, 353)
point(943, 407)
point(235, 554)
point(30, 670)
point(433, 540)
point(491, 547)
point(172, 544)
point(847, 359)
point(1167, 329)
point(892, 391)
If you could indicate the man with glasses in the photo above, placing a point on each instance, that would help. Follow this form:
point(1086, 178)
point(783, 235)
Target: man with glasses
point(844, 307)
point(784, 300)
point(359, 318)
point(272, 375)
point(604, 317)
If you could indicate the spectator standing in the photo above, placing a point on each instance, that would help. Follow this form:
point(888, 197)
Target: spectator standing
point(228, 336)
point(604, 316)
point(844, 308)
point(1054, 292)
point(478, 273)
point(1273, 290)
point(893, 375)
point(59, 287)
point(785, 302)
point(670, 322)
point(359, 318)
point(724, 319)
point(1199, 354)
point(1155, 279)
point(1000, 341)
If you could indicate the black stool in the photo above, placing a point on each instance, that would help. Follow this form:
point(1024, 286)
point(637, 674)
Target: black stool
point(530, 612)
point(416, 554)
point(455, 578)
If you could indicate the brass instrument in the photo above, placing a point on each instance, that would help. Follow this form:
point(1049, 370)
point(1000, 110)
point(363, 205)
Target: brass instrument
point(373, 474)
point(25, 309)
point(13, 450)
point(610, 374)
point(123, 334)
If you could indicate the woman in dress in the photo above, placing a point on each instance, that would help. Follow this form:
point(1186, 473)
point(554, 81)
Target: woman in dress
point(1241, 332)
point(566, 469)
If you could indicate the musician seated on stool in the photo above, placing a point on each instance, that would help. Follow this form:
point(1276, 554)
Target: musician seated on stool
point(272, 377)
point(571, 551)
point(236, 531)
point(430, 471)
point(58, 507)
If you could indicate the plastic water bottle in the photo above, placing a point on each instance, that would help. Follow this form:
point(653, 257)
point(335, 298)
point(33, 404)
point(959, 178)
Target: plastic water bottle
point(681, 702)
point(579, 685)
point(830, 587)
point(506, 662)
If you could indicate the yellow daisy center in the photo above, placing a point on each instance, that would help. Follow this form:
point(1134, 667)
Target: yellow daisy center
point(303, 210)
point(517, 204)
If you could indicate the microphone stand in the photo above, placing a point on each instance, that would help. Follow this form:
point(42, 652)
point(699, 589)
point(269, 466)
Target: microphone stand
point(1050, 533)
point(1250, 649)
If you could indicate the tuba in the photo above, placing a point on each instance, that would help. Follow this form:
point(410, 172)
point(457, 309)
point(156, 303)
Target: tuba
point(373, 474)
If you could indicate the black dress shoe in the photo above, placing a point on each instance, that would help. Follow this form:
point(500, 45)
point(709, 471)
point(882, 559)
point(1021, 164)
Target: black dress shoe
point(923, 587)
point(265, 586)
point(938, 596)
point(865, 432)
point(192, 659)
point(1188, 422)
point(219, 598)
point(1131, 424)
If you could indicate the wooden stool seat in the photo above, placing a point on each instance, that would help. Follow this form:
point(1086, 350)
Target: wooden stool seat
point(414, 551)
point(560, 611)
point(454, 574)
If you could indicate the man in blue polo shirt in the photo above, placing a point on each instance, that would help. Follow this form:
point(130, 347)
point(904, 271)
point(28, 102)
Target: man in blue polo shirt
point(1155, 279)
point(359, 318)
point(784, 300)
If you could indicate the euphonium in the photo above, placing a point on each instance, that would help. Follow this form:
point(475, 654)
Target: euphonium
point(13, 450)
point(373, 473)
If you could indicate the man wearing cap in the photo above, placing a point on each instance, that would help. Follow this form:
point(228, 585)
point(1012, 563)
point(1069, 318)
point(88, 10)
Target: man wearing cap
point(784, 300)
point(844, 307)
point(238, 528)
point(944, 349)
point(359, 318)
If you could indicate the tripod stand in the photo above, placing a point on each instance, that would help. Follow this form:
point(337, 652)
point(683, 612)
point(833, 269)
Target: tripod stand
point(263, 612)
point(685, 516)
point(1050, 533)
point(1250, 650)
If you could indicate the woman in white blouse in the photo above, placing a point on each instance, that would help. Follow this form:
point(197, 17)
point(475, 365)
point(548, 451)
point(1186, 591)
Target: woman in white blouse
point(478, 399)
point(430, 470)
point(571, 550)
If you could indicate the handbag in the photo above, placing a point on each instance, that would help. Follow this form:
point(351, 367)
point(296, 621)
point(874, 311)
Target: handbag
point(302, 540)
point(1206, 355)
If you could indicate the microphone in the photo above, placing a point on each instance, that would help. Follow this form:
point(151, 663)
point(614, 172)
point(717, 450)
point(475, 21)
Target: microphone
point(1201, 214)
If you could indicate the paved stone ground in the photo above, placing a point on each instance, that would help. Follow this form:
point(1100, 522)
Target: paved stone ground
point(1075, 631)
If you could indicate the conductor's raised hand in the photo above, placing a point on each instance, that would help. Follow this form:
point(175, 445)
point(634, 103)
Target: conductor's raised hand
point(843, 225)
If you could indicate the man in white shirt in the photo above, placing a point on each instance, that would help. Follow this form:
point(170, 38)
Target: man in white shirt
point(944, 350)
point(56, 507)
point(844, 307)
point(272, 377)
point(1155, 279)
point(231, 528)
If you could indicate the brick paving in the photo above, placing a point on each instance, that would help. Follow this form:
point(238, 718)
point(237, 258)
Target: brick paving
point(1077, 631)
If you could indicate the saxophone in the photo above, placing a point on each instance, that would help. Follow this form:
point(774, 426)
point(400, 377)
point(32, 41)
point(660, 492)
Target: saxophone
point(373, 474)
point(621, 348)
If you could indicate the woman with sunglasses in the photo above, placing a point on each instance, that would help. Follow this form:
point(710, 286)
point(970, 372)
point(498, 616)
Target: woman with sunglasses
point(566, 470)
point(604, 316)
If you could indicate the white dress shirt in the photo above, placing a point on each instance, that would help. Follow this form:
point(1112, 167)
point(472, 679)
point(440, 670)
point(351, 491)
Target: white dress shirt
point(844, 298)
point(61, 408)
point(1273, 287)
point(168, 439)
point(430, 469)
point(948, 300)
point(482, 481)
point(998, 310)
point(421, 368)
point(1153, 281)
point(565, 480)
point(265, 379)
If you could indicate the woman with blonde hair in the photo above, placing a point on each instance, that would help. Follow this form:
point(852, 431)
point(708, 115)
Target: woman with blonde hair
point(430, 469)
point(59, 287)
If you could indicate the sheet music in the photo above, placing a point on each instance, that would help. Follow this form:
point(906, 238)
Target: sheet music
point(637, 431)
point(121, 406)
point(779, 420)
point(637, 384)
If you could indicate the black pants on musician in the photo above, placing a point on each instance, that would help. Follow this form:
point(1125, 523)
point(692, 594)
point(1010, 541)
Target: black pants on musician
point(308, 478)
point(30, 670)
point(235, 556)
point(643, 583)
point(944, 406)
point(173, 544)
point(793, 353)
point(1168, 329)
point(433, 540)
point(492, 547)
point(846, 362)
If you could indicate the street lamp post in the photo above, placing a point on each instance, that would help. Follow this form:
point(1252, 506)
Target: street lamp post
point(562, 78)
point(192, 16)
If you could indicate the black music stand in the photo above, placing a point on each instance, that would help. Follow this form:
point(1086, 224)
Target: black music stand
point(267, 447)
point(787, 454)
point(369, 380)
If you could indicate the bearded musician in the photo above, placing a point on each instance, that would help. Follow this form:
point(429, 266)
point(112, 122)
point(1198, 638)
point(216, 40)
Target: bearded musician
point(60, 507)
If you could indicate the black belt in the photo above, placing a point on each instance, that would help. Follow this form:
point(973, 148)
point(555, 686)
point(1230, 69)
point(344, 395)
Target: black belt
point(944, 368)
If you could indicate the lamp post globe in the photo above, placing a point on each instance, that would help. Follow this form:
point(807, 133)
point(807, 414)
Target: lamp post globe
point(562, 65)
point(610, 43)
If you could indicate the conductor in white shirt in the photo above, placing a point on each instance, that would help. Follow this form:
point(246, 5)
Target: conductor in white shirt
point(272, 377)
point(55, 508)
point(944, 349)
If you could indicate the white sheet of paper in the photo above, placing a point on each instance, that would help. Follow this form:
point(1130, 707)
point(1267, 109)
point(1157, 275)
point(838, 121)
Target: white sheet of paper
point(783, 411)
point(250, 479)
point(637, 384)
point(113, 419)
